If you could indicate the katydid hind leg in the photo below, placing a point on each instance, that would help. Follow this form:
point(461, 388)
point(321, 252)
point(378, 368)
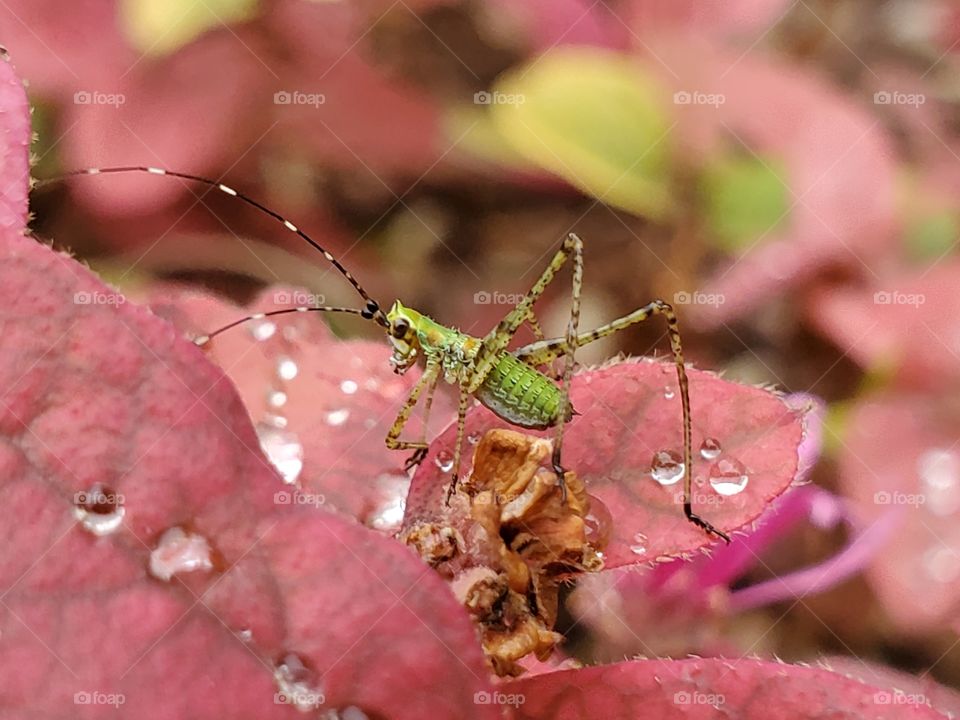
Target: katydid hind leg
point(546, 351)
point(573, 324)
point(462, 406)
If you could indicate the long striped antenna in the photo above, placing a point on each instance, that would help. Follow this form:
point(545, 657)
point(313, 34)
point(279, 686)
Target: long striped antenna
point(204, 339)
point(372, 311)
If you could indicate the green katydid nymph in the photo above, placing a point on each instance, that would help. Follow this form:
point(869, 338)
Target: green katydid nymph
point(513, 383)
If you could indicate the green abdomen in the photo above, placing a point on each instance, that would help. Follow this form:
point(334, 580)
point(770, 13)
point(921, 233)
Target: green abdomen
point(520, 394)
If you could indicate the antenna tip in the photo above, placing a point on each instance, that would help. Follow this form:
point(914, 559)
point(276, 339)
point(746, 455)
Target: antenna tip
point(201, 340)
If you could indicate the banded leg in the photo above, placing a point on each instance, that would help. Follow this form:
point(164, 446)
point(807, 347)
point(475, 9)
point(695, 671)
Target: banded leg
point(496, 340)
point(563, 412)
point(421, 452)
point(430, 374)
point(535, 325)
point(462, 405)
point(545, 351)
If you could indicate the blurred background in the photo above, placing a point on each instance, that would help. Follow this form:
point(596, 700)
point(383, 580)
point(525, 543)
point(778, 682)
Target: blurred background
point(785, 172)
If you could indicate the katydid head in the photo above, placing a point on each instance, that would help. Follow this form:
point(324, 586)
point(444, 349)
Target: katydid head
point(402, 331)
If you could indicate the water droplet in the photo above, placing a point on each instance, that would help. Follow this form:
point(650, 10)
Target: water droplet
point(263, 330)
point(352, 712)
point(668, 392)
point(100, 510)
point(297, 684)
point(728, 476)
point(275, 420)
point(939, 472)
point(291, 333)
point(666, 467)
point(710, 449)
point(639, 546)
point(942, 564)
point(387, 516)
point(277, 398)
point(283, 449)
point(473, 438)
point(348, 387)
point(338, 417)
point(179, 552)
point(246, 634)
point(287, 368)
point(444, 460)
point(598, 522)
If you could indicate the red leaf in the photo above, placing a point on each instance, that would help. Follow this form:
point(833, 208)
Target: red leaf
point(944, 699)
point(713, 17)
point(708, 688)
point(913, 473)
point(100, 391)
point(338, 408)
point(838, 168)
point(630, 411)
point(370, 124)
point(906, 323)
point(53, 49)
point(146, 127)
point(14, 147)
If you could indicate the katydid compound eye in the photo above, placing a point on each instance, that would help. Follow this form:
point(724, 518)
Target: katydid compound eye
point(400, 328)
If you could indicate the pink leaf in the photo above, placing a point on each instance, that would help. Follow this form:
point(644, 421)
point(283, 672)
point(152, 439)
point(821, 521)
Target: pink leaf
point(913, 475)
point(14, 147)
point(338, 408)
point(372, 125)
point(837, 167)
point(944, 699)
point(715, 17)
point(144, 124)
point(53, 49)
point(97, 390)
point(630, 411)
point(707, 688)
point(906, 324)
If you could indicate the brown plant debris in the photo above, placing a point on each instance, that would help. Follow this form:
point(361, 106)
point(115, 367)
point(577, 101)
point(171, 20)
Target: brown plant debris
point(507, 542)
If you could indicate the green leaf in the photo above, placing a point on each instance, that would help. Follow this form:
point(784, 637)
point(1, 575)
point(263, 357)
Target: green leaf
point(595, 119)
point(745, 199)
point(158, 27)
point(930, 237)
